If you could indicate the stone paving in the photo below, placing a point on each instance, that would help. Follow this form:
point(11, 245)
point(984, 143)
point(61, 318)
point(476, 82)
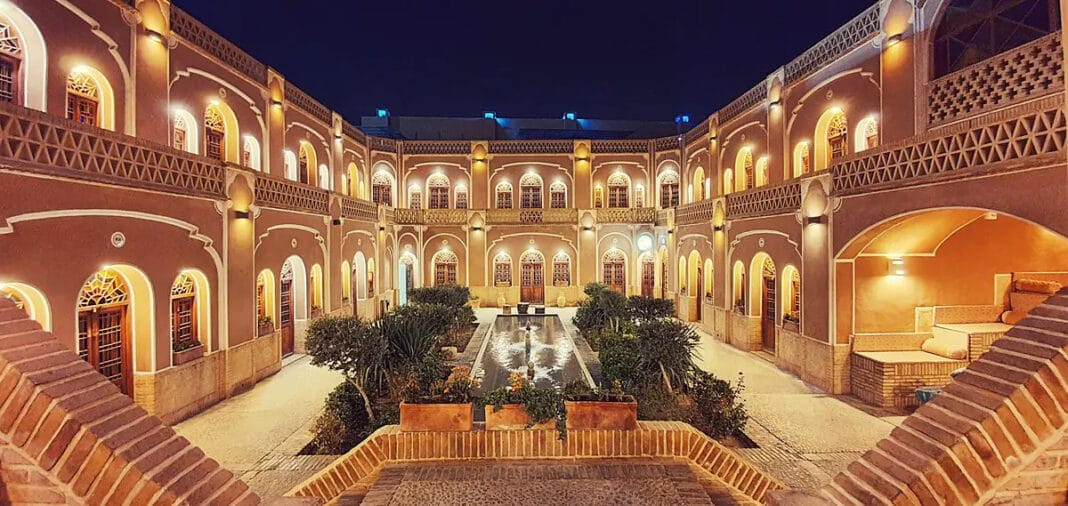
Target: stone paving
point(805, 435)
point(259, 433)
point(645, 481)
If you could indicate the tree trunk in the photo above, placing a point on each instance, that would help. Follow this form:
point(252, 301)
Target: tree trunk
point(667, 380)
point(366, 401)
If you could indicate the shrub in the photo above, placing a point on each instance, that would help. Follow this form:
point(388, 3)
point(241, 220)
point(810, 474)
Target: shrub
point(620, 361)
point(666, 349)
point(602, 308)
point(446, 295)
point(717, 407)
point(648, 308)
point(343, 423)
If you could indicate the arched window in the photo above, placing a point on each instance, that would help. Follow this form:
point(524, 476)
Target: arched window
point(614, 270)
point(791, 288)
point(445, 263)
point(728, 181)
point(291, 165)
point(10, 63)
point(669, 189)
point(415, 197)
point(502, 270)
point(250, 153)
point(530, 191)
point(352, 181)
point(184, 331)
point(558, 195)
point(738, 287)
point(598, 197)
point(325, 181)
point(561, 269)
point(618, 190)
point(762, 171)
point(304, 162)
point(316, 280)
point(346, 281)
point(867, 136)
point(837, 133)
point(83, 98)
point(214, 133)
point(382, 188)
point(802, 159)
point(504, 196)
point(461, 196)
point(639, 196)
point(184, 133)
point(745, 164)
point(971, 31)
point(103, 334)
point(438, 186)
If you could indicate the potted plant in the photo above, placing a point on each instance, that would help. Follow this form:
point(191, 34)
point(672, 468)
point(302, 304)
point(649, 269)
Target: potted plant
point(447, 407)
point(186, 351)
point(521, 405)
point(607, 409)
point(791, 322)
point(265, 326)
point(315, 312)
point(474, 301)
point(739, 306)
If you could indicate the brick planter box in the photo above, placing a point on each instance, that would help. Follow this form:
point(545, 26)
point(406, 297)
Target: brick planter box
point(601, 415)
point(436, 417)
point(265, 330)
point(513, 417)
point(186, 356)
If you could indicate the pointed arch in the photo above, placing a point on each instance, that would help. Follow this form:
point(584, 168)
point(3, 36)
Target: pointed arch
point(184, 131)
point(24, 59)
point(265, 301)
point(832, 131)
point(618, 190)
point(437, 187)
point(728, 181)
point(802, 158)
point(325, 181)
point(290, 160)
point(221, 141)
point(382, 184)
point(530, 191)
point(504, 195)
point(90, 98)
point(250, 153)
point(746, 176)
point(762, 176)
point(668, 185)
point(190, 311)
point(306, 162)
point(31, 300)
point(445, 265)
point(699, 185)
point(867, 134)
point(614, 270)
point(561, 269)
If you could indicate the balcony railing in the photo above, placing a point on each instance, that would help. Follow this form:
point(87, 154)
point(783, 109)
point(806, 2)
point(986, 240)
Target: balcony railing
point(34, 141)
point(532, 216)
point(694, 212)
point(358, 209)
point(1030, 71)
point(664, 217)
point(285, 194)
point(765, 201)
point(627, 215)
point(1027, 135)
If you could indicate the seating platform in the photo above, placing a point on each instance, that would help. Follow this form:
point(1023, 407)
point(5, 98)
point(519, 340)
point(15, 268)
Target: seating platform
point(890, 378)
point(977, 336)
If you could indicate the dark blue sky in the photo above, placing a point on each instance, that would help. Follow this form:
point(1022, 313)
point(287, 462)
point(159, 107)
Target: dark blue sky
point(604, 59)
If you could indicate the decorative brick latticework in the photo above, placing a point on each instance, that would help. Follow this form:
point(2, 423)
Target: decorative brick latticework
point(76, 436)
point(205, 38)
point(667, 143)
point(620, 146)
point(297, 97)
point(531, 147)
point(382, 144)
point(279, 193)
point(352, 132)
point(750, 99)
point(696, 132)
point(1021, 137)
point(437, 147)
point(651, 439)
point(1024, 73)
point(696, 212)
point(360, 209)
point(995, 435)
point(849, 36)
point(37, 142)
point(766, 201)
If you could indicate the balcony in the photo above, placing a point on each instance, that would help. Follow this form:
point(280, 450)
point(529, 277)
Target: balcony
point(285, 194)
point(765, 201)
point(532, 216)
point(694, 212)
point(358, 209)
point(1030, 71)
point(36, 142)
point(627, 215)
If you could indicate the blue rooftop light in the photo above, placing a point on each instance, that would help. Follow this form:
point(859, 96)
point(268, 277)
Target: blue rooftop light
point(682, 118)
point(569, 115)
point(383, 113)
point(489, 115)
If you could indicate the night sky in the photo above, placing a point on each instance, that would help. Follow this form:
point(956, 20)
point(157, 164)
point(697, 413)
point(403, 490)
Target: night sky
point(604, 59)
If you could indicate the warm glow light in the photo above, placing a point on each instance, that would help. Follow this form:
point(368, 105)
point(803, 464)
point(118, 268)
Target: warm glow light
point(80, 69)
point(897, 266)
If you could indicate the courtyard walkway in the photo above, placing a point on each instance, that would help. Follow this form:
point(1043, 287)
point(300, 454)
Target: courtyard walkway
point(805, 436)
point(258, 434)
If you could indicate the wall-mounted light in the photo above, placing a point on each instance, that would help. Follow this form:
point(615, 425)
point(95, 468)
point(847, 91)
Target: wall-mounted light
point(154, 36)
point(276, 103)
point(775, 103)
point(337, 221)
point(480, 160)
point(337, 137)
point(712, 137)
point(476, 229)
point(893, 39)
point(587, 228)
point(671, 231)
point(582, 158)
point(381, 229)
point(717, 228)
point(897, 266)
point(812, 219)
point(242, 215)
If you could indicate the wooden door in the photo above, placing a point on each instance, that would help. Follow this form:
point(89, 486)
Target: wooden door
point(103, 342)
point(767, 314)
point(700, 293)
point(648, 278)
point(532, 287)
point(615, 277)
point(285, 316)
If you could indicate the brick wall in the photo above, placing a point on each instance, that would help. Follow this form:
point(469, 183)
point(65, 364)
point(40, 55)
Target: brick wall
point(996, 434)
point(67, 431)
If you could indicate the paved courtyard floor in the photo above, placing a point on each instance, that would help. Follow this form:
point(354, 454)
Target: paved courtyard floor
point(258, 434)
point(644, 481)
point(806, 436)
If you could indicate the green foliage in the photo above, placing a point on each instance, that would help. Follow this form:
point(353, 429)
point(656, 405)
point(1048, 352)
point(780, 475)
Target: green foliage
point(446, 295)
point(456, 389)
point(666, 348)
point(717, 408)
point(648, 308)
point(580, 391)
point(541, 404)
point(459, 315)
point(620, 360)
point(605, 311)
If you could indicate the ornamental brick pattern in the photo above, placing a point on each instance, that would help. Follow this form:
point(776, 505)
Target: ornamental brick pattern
point(79, 440)
point(996, 435)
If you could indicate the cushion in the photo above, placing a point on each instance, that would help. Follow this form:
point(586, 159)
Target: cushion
point(1036, 286)
point(945, 348)
point(1013, 317)
point(1024, 302)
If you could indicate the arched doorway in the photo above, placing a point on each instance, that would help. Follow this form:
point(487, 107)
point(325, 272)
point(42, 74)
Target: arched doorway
point(614, 265)
point(407, 275)
point(532, 277)
point(293, 301)
point(103, 327)
point(30, 300)
point(648, 274)
point(445, 263)
point(765, 275)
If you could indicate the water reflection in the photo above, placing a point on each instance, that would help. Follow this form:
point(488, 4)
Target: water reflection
point(517, 342)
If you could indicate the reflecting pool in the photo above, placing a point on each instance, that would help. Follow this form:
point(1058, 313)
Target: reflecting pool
point(517, 342)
